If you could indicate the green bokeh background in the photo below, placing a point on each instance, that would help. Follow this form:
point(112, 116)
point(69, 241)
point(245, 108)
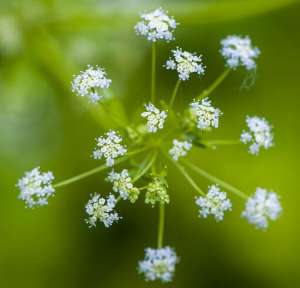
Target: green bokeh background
point(43, 43)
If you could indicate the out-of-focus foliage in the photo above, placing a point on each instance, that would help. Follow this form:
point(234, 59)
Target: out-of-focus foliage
point(43, 43)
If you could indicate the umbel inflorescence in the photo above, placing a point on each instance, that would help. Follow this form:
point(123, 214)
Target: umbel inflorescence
point(145, 148)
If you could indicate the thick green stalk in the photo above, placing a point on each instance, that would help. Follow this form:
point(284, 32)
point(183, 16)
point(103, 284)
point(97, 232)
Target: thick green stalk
point(161, 225)
point(174, 93)
point(216, 180)
point(153, 72)
point(214, 85)
point(95, 170)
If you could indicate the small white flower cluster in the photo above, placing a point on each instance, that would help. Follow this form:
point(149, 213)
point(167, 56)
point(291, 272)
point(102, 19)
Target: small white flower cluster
point(214, 203)
point(185, 63)
point(155, 118)
point(156, 25)
point(179, 149)
point(87, 82)
point(158, 264)
point(122, 184)
point(261, 207)
point(207, 116)
point(36, 187)
point(109, 147)
point(238, 51)
point(259, 134)
point(102, 210)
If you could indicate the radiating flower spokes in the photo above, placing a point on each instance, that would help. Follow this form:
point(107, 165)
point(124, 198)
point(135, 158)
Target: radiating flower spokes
point(159, 263)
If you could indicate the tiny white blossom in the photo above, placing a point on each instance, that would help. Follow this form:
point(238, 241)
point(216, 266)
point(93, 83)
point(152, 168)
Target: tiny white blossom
point(259, 134)
point(122, 184)
point(88, 82)
point(179, 149)
point(36, 187)
point(207, 116)
point(155, 118)
point(158, 264)
point(262, 207)
point(185, 63)
point(156, 25)
point(109, 147)
point(102, 210)
point(239, 51)
point(214, 203)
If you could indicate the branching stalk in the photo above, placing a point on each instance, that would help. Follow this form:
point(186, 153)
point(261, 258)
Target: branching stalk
point(161, 225)
point(214, 85)
point(95, 170)
point(188, 177)
point(174, 94)
point(153, 73)
point(145, 169)
point(216, 180)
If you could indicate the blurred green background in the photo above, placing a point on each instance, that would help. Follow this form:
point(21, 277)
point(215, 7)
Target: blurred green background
point(43, 43)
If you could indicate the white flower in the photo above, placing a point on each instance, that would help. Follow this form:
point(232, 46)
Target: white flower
point(155, 118)
point(158, 264)
point(36, 187)
point(185, 63)
point(122, 184)
point(156, 25)
point(214, 203)
point(102, 210)
point(259, 134)
point(261, 207)
point(207, 116)
point(109, 147)
point(88, 82)
point(238, 51)
point(179, 149)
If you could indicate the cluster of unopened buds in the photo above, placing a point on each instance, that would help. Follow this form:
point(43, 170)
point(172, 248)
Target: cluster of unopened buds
point(159, 137)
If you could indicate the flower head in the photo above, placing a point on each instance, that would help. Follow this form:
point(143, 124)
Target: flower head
point(179, 149)
point(207, 116)
point(185, 63)
point(158, 264)
point(155, 118)
point(261, 207)
point(259, 134)
point(239, 51)
point(109, 147)
point(102, 210)
point(36, 187)
point(122, 184)
point(157, 191)
point(214, 203)
point(156, 25)
point(88, 82)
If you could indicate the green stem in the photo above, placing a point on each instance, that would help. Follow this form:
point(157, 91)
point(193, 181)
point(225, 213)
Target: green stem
point(95, 170)
point(212, 143)
point(153, 72)
point(214, 179)
point(161, 225)
point(188, 177)
point(214, 85)
point(144, 170)
point(174, 93)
